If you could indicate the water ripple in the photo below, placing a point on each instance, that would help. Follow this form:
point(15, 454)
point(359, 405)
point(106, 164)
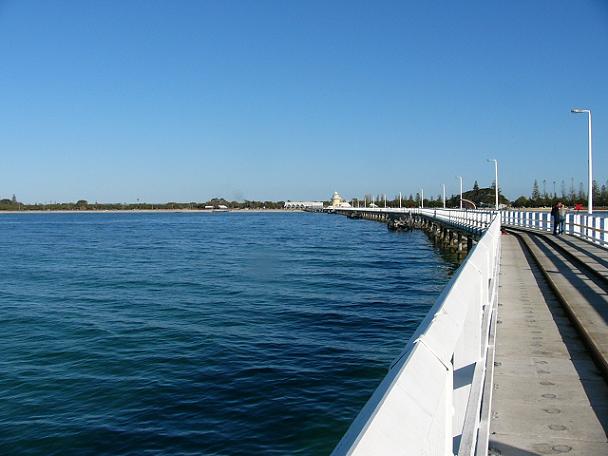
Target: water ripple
point(189, 334)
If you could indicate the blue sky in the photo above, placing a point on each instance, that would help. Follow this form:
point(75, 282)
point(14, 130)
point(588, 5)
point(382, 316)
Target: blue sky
point(179, 100)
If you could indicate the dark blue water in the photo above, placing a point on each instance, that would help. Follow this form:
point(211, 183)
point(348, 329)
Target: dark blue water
point(200, 333)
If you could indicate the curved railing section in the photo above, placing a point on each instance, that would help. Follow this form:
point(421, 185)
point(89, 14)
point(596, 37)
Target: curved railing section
point(593, 228)
point(435, 398)
point(477, 220)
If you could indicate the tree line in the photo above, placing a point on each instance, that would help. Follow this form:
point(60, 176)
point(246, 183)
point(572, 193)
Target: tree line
point(481, 197)
point(12, 204)
point(540, 197)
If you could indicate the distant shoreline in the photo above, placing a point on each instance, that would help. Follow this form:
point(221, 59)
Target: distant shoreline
point(131, 211)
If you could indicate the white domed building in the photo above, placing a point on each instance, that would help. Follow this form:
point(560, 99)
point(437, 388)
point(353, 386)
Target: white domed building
point(337, 201)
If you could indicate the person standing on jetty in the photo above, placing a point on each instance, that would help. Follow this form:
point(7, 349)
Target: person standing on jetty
point(563, 210)
point(555, 217)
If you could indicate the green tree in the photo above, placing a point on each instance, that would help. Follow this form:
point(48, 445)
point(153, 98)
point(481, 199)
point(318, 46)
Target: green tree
point(522, 201)
point(535, 197)
point(582, 196)
point(595, 189)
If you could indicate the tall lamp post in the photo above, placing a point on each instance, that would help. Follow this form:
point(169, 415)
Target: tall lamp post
point(496, 178)
point(443, 193)
point(590, 162)
point(460, 177)
point(422, 198)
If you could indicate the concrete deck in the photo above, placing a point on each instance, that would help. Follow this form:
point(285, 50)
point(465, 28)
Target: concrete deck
point(583, 294)
point(593, 257)
point(549, 396)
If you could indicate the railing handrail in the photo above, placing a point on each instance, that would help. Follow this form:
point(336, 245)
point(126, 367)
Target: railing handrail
point(592, 228)
point(450, 343)
point(473, 219)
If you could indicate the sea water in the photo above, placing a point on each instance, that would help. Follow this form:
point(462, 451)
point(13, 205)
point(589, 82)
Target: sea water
point(200, 333)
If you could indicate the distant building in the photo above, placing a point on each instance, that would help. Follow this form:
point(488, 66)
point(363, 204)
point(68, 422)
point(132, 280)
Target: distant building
point(338, 201)
point(303, 205)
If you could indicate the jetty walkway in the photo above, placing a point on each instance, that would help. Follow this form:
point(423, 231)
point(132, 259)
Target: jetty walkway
point(549, 396)
point(513, 357)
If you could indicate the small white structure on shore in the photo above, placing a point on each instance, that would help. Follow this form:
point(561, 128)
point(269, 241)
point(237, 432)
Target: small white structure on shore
point(338, 201)
point(303, 205)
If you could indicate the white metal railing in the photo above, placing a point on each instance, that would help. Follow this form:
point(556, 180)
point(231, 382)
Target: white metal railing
point(593, 228)
point(467, 219)
point(430, 402)
point(464, 219)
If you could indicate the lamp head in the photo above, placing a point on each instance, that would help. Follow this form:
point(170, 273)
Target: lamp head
point(578, 110)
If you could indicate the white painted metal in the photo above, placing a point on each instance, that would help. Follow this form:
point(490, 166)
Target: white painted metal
point(460, 177)
point(589, 162)
point(589, 227)
point(430, 402)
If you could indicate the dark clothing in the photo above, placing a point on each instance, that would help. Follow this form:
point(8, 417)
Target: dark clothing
point(555, 217)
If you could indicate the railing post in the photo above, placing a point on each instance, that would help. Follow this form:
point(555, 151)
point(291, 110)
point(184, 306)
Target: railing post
point(597, 233)
point(584, 230)
point(547, 224)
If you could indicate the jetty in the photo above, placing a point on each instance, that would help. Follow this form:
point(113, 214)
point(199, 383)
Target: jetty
point(512, 358)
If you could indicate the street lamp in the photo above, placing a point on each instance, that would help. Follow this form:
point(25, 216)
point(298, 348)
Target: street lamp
point(422, 198)
point(460, 177)
point(399, 200)
point(443, 193)
point(496, 179)
point(590, 161)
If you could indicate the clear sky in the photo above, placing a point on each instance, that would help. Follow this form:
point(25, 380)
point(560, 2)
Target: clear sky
point(186, 100)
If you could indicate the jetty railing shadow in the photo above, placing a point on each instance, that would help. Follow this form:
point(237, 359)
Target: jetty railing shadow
point(436, 396)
